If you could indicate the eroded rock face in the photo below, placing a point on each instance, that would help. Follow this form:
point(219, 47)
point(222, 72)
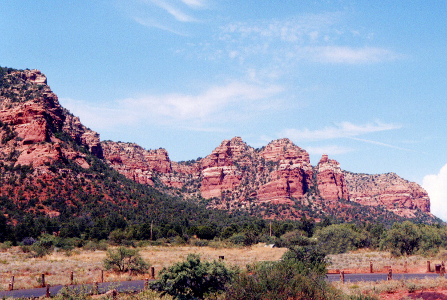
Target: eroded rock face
point(34, 121)
point(293, 174)
point(34, 76)
point(73, 126)
point(236, 174)
point(35, 130)
point(330, 180)
point(388, 190)
point(146, 166)
point(219, 172)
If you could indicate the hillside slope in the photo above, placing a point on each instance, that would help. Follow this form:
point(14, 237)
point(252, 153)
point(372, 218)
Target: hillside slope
point(276, 181)
point(52, 166)
point(53, 177)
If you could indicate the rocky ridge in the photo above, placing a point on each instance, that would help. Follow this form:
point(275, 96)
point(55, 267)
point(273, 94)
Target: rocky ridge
point(237, 176)
point(276, 181)
point(39, 141)
point(34, 123)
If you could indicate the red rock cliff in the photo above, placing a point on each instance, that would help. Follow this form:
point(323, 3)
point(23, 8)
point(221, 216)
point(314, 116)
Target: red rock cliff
point(291, 177)
point(35, 122)
point(331, 180)
point(219, 172)
point(388, 190)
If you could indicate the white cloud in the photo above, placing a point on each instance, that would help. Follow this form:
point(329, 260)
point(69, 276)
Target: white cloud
point(148, 22)
point(341, 130)
point(349, 55)
point(194, 3)
point(330, 150)
point(218, 105)
point(168, 15)
point(321, 38)
point(379, 143)
point(174, 11)
point(436, 187)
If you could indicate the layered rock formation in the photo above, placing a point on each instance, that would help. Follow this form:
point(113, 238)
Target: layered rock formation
point(388, 190)
point(147, 166)
point(36, 131)
point(34, 122)
point(293, 175)
point(330, 180)
point(236, 175)
point(218, 170)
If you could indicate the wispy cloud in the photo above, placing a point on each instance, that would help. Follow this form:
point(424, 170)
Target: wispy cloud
point(194, 3)
point(321, 38)
point(148, 22)
point(167, 15)
point(349, 55)
point(379, 143)
point(174, 11)
point(340, 130)
point(329, 149)
point(213, 107)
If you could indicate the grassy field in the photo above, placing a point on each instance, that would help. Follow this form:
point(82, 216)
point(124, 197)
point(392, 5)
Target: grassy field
point(87, 265)
point(358, 261)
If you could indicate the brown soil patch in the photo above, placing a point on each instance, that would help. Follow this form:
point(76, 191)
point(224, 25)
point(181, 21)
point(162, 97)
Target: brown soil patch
point(424, 295)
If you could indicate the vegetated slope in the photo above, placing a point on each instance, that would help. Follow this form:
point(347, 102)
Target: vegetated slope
point(53, 178)
point(276, 181)
point(55, 168)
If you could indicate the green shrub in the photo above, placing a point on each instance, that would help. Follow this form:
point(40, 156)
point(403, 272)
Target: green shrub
point(299, 275)
point(192, 278)
point(199, 242)
point(294, 238)
point(306, 260)
point(402, 238)
point(124, 259)
point(94, 245)
point(336, 239)
point(5, 245)
point(67, 293)
point(244, 239)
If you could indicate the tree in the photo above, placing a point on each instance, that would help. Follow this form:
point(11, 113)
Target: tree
point(192, 278)
point(340, 238)
point(124, 259)
point(402, 238)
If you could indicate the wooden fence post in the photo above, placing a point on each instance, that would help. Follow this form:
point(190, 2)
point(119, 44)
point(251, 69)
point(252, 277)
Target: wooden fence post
point(390, 275)
point(42, 279)
point(11, 284)
point(71, 278)
point(405, 267)
point(371, 267)
point(102, 276)
point(442, 271)
point(342, 276)
point(47, 292)
point(152, 273)
point(428, 266)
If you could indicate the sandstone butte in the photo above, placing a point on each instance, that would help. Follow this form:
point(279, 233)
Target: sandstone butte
point(234, 175)
point(237, 175)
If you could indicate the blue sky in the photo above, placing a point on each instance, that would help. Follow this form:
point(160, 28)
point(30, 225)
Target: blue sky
point(363, 81)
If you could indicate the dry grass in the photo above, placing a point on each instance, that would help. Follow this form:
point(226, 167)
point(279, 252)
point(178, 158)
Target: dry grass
point(87, 265)
point(358, 261)
point(393, 286)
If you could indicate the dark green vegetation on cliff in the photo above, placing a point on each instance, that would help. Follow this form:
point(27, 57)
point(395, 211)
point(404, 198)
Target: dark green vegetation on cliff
point(54, 180)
